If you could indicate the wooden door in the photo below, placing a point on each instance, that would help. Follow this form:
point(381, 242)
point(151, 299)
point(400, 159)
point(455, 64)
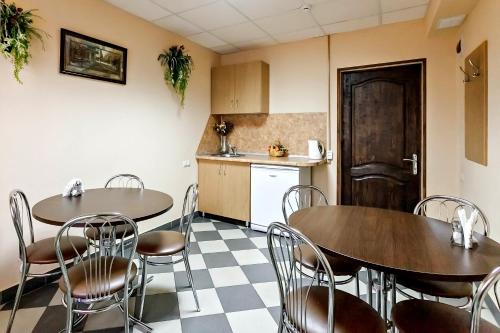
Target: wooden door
point(380, 127)
point(210, 186)
point(236, 191)
point(251, 87)
point(223, 90)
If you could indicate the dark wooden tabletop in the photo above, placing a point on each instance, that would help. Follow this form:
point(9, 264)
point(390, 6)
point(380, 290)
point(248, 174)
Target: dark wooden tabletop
point(137, 204)
point(396, 242)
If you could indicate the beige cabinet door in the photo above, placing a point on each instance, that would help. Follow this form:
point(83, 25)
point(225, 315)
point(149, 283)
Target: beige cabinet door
point(251, 87)
point(236, 190)
point(223, 90)
point(210, 187)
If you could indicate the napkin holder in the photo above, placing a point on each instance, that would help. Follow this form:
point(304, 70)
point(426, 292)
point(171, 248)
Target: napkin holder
point(74, 188)
point(463, 229)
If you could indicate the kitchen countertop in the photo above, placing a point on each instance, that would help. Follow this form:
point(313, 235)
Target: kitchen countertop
point(296, 161)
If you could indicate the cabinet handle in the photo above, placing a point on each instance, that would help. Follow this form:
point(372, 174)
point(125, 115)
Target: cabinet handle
point(220, 166)
point(232, 104)
point(237, 103)
point(225, 167)
point(273, 176)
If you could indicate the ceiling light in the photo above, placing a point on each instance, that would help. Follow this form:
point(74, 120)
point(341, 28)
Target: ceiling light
point(450, 22)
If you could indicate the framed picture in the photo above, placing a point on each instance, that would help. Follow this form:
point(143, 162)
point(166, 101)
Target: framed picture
point(89, 57)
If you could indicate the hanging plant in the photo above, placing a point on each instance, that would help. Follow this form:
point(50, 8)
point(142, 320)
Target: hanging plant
point(178, 66)
point(16, 33)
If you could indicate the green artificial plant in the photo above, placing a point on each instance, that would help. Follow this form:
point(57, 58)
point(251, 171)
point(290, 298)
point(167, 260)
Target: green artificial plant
point(178, 66)
point(16, 33)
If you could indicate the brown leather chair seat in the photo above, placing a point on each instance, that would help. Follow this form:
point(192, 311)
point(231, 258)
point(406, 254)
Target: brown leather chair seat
point(120, 230)
point(437, 288)
point(418, 316)
point(160, 243)
point(351, 314)
point(44, 251)
point(89, 278)
point(339, 265)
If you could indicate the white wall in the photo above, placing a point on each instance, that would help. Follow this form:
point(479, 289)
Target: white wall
point(55, 127)
point(481, 184)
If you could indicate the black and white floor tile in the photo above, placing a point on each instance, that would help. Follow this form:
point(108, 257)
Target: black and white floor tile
point(234, 278)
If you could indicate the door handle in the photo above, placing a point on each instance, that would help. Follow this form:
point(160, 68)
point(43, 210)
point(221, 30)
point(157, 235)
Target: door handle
point(414, 161)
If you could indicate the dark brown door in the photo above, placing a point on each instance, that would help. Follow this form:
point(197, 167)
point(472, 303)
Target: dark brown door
point(381, 133)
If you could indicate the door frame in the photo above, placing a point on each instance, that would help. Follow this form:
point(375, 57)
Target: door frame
point(423, 118)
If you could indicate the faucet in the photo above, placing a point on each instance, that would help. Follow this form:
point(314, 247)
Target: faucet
point(233, 150)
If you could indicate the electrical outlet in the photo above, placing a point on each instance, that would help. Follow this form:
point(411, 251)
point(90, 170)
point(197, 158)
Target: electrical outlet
point(186, 163)
point(329, 155)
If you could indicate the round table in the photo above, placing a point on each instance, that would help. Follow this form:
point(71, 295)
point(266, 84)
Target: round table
point(138, 204)
point(396, 242)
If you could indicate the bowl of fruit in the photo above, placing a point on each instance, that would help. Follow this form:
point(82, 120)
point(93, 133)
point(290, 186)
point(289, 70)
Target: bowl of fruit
point(277, 150)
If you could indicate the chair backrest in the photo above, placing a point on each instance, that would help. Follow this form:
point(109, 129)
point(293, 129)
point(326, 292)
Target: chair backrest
point(491, 281)
point(446, 208)
point(124, 180)
point(21, 217)
point(188, 210)
point(99, 263)
point(287, 246)
point(301, 196)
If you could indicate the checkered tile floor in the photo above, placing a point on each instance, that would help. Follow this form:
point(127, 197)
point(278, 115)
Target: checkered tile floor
point(234, 278)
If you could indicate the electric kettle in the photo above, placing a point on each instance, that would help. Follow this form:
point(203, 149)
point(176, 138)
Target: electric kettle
point(316, 150)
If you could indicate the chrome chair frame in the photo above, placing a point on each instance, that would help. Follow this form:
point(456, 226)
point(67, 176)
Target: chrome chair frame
point(302, 196)
point(282, 240)
point(448, 214)
point(105, 224)
point(21, 215)
point(188, 210)
point(125, 181)
point(491, 281)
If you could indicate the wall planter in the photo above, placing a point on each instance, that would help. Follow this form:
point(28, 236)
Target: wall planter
point(16, 33)
point(177, 66)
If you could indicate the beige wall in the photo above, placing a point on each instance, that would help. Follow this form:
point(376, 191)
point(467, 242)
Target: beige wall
point(406, 41)
point(55, 127)
point(298, 84)
point(481, 184)
point(298, 79)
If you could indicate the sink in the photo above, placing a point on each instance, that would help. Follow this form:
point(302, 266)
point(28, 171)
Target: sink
point(228, 155)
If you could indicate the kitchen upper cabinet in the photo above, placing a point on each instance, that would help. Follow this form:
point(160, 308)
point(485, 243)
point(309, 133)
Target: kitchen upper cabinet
point(241, 88)
point(224, 189)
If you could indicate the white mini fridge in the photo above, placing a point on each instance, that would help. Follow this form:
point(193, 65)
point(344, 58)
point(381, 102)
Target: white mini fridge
point(268, 185)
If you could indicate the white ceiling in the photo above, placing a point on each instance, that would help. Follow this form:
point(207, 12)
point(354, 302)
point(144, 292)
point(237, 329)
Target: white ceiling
point(227, 26)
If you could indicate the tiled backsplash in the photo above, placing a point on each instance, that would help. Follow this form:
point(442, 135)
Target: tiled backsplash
point(254, 133)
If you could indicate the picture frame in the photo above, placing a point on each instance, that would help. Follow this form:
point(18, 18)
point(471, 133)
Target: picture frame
point(89, 57)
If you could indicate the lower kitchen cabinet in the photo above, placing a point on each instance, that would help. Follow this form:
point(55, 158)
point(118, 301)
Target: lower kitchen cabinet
point(224, 189)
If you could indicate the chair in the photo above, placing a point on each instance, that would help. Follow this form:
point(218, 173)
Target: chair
point(167, 243)
point(418, 316)
point(31, 252)
point(444, 208)
point(124, 180)
point(305, 306)
point(101, 281)
point(305, 196)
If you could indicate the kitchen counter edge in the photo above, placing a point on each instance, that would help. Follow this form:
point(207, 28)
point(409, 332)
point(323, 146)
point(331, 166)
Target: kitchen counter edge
point(296, 161)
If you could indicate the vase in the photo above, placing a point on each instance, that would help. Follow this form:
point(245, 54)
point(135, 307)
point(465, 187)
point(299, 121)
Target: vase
point(224, 147)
